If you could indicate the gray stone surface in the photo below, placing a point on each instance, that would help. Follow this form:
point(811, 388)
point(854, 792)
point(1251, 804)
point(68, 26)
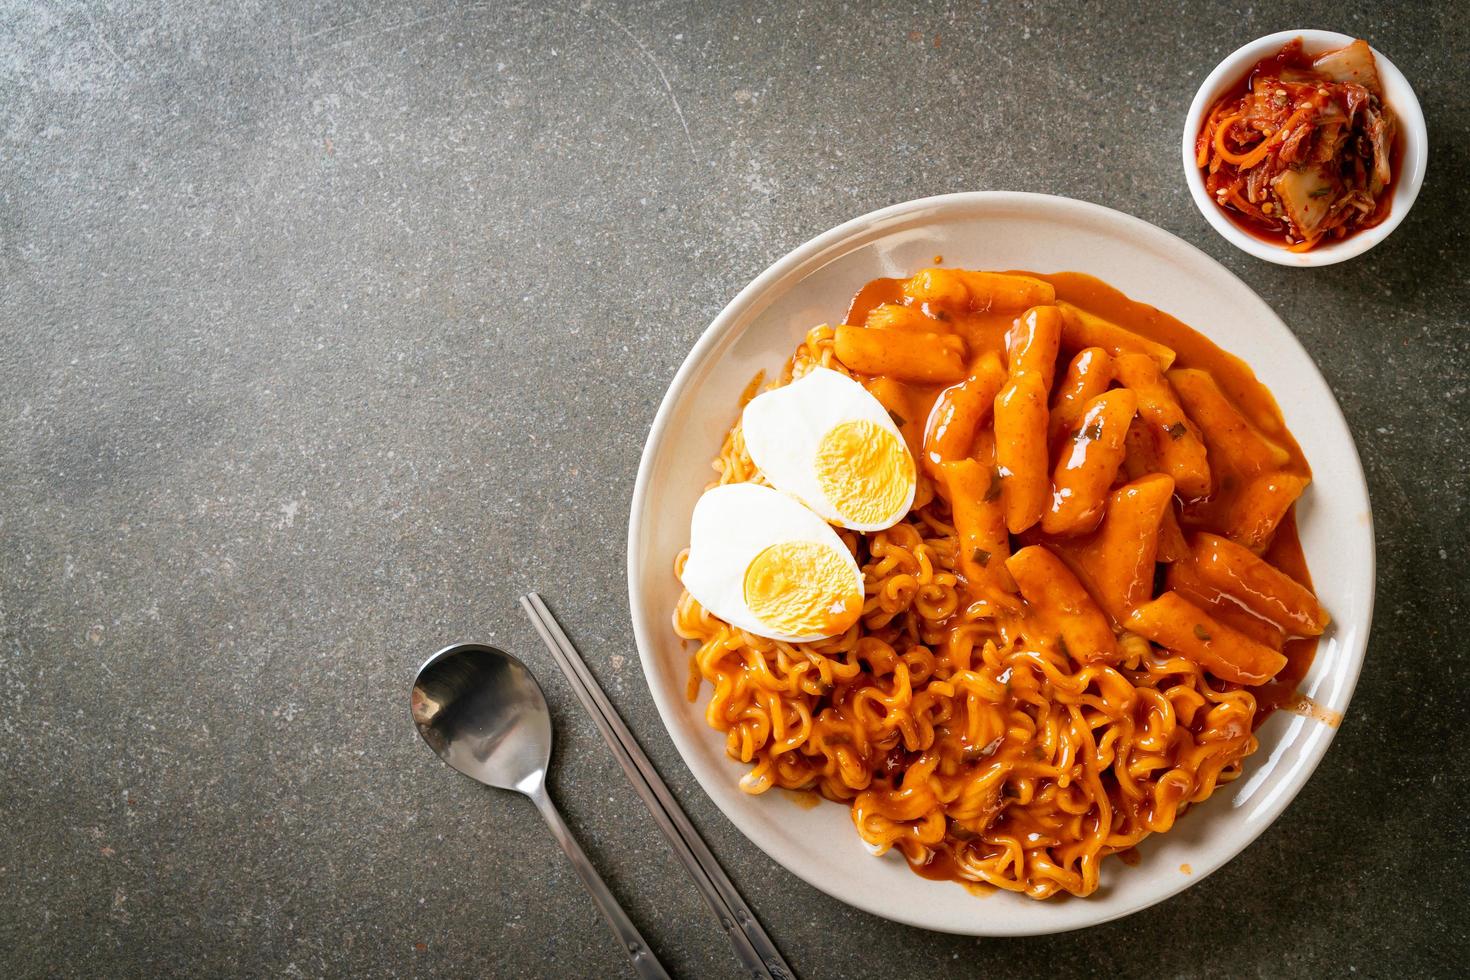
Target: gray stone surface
point(326, 332)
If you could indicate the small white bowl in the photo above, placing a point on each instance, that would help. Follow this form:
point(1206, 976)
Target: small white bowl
point(1397, 94)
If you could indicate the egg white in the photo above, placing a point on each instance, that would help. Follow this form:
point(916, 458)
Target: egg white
point(784, 429)
point(733, 524)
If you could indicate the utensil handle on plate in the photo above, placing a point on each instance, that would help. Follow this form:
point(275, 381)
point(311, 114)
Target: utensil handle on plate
point(644, 962)
point(754, 948)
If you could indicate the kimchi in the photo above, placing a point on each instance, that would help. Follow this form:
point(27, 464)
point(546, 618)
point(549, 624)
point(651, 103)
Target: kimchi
point(1301, 151)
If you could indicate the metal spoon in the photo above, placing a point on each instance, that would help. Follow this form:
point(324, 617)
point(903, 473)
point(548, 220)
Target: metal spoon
point(482, 712)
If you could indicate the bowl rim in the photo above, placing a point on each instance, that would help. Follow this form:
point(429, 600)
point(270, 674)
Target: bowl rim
point(803, 261)
point(1404, 102)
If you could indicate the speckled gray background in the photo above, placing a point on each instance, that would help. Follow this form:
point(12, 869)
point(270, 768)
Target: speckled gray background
point(325, 333)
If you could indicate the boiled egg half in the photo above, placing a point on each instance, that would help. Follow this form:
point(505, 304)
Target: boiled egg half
point(829, 443)
point(761, 561)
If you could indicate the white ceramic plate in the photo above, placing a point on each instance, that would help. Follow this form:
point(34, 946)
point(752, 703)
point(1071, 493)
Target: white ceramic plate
point(759, 330)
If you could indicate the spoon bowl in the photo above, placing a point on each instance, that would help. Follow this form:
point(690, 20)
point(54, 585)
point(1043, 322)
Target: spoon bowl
point(482, 712)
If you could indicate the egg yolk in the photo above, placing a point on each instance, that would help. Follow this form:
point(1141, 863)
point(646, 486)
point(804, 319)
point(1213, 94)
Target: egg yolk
point(865, 471)
point(801, 588)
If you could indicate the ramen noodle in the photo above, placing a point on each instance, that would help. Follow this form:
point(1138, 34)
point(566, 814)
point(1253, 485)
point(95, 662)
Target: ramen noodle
point(1095, 598)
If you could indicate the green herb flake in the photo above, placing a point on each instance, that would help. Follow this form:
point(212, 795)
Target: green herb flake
point(898, 420)
point(1320, 192)
point(1177, 430)
point(1062, 645)
point(1093, 432)
point(994, 492)
point(981, 557)
point(1202, 633)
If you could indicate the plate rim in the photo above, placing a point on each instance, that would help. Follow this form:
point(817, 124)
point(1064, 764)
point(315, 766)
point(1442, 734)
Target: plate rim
point(746, 306)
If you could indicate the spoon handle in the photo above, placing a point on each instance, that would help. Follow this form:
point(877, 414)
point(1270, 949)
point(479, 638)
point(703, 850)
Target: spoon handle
point(755, 949)
point(645, 964)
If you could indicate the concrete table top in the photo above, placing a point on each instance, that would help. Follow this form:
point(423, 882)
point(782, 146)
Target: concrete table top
point(324, 333)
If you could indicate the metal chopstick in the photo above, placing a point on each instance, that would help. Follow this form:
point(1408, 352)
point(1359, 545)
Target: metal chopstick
point(752, 945)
